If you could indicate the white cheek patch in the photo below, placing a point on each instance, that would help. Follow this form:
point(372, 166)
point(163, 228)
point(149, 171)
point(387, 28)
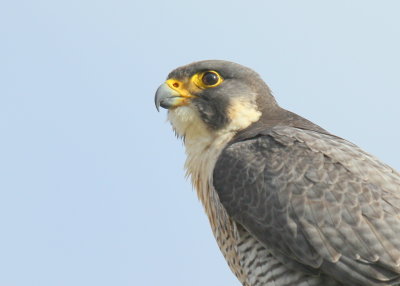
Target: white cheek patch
point(187, 122)
point(242, 112)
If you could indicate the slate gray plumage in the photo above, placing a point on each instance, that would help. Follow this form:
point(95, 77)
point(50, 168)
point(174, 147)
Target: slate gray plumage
point(317, 200)
point(288, 202)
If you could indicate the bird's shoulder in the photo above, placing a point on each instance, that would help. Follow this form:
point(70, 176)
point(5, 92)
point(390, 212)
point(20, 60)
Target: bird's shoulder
point(283, 143)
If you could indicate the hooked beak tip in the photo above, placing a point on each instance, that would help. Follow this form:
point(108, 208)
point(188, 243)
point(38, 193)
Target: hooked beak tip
point(164, 96)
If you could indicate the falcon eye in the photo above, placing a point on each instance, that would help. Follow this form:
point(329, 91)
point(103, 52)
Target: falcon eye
point(210, 78)
point(207, 79)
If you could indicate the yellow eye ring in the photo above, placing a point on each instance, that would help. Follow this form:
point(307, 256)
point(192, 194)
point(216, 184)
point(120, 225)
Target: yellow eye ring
point(207, 79)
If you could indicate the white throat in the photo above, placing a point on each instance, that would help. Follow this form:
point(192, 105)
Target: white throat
point(203, 145)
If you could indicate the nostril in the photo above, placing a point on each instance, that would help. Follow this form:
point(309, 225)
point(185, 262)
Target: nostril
point(175, 84)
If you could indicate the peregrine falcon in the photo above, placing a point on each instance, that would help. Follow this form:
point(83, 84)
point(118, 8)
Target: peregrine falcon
point(288, 202)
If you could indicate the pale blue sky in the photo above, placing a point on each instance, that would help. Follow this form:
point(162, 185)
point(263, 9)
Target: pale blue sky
point(92, 188)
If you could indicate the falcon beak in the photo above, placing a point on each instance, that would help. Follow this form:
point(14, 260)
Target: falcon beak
point(171, 94)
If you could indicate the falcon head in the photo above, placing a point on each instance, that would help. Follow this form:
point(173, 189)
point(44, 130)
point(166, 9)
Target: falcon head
point(216, 96)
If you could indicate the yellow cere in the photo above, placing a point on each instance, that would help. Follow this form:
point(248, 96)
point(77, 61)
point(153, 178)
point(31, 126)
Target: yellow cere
point(179, 87)
point(198, 79)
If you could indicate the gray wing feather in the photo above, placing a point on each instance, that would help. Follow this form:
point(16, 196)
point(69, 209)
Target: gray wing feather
point(315, 199)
